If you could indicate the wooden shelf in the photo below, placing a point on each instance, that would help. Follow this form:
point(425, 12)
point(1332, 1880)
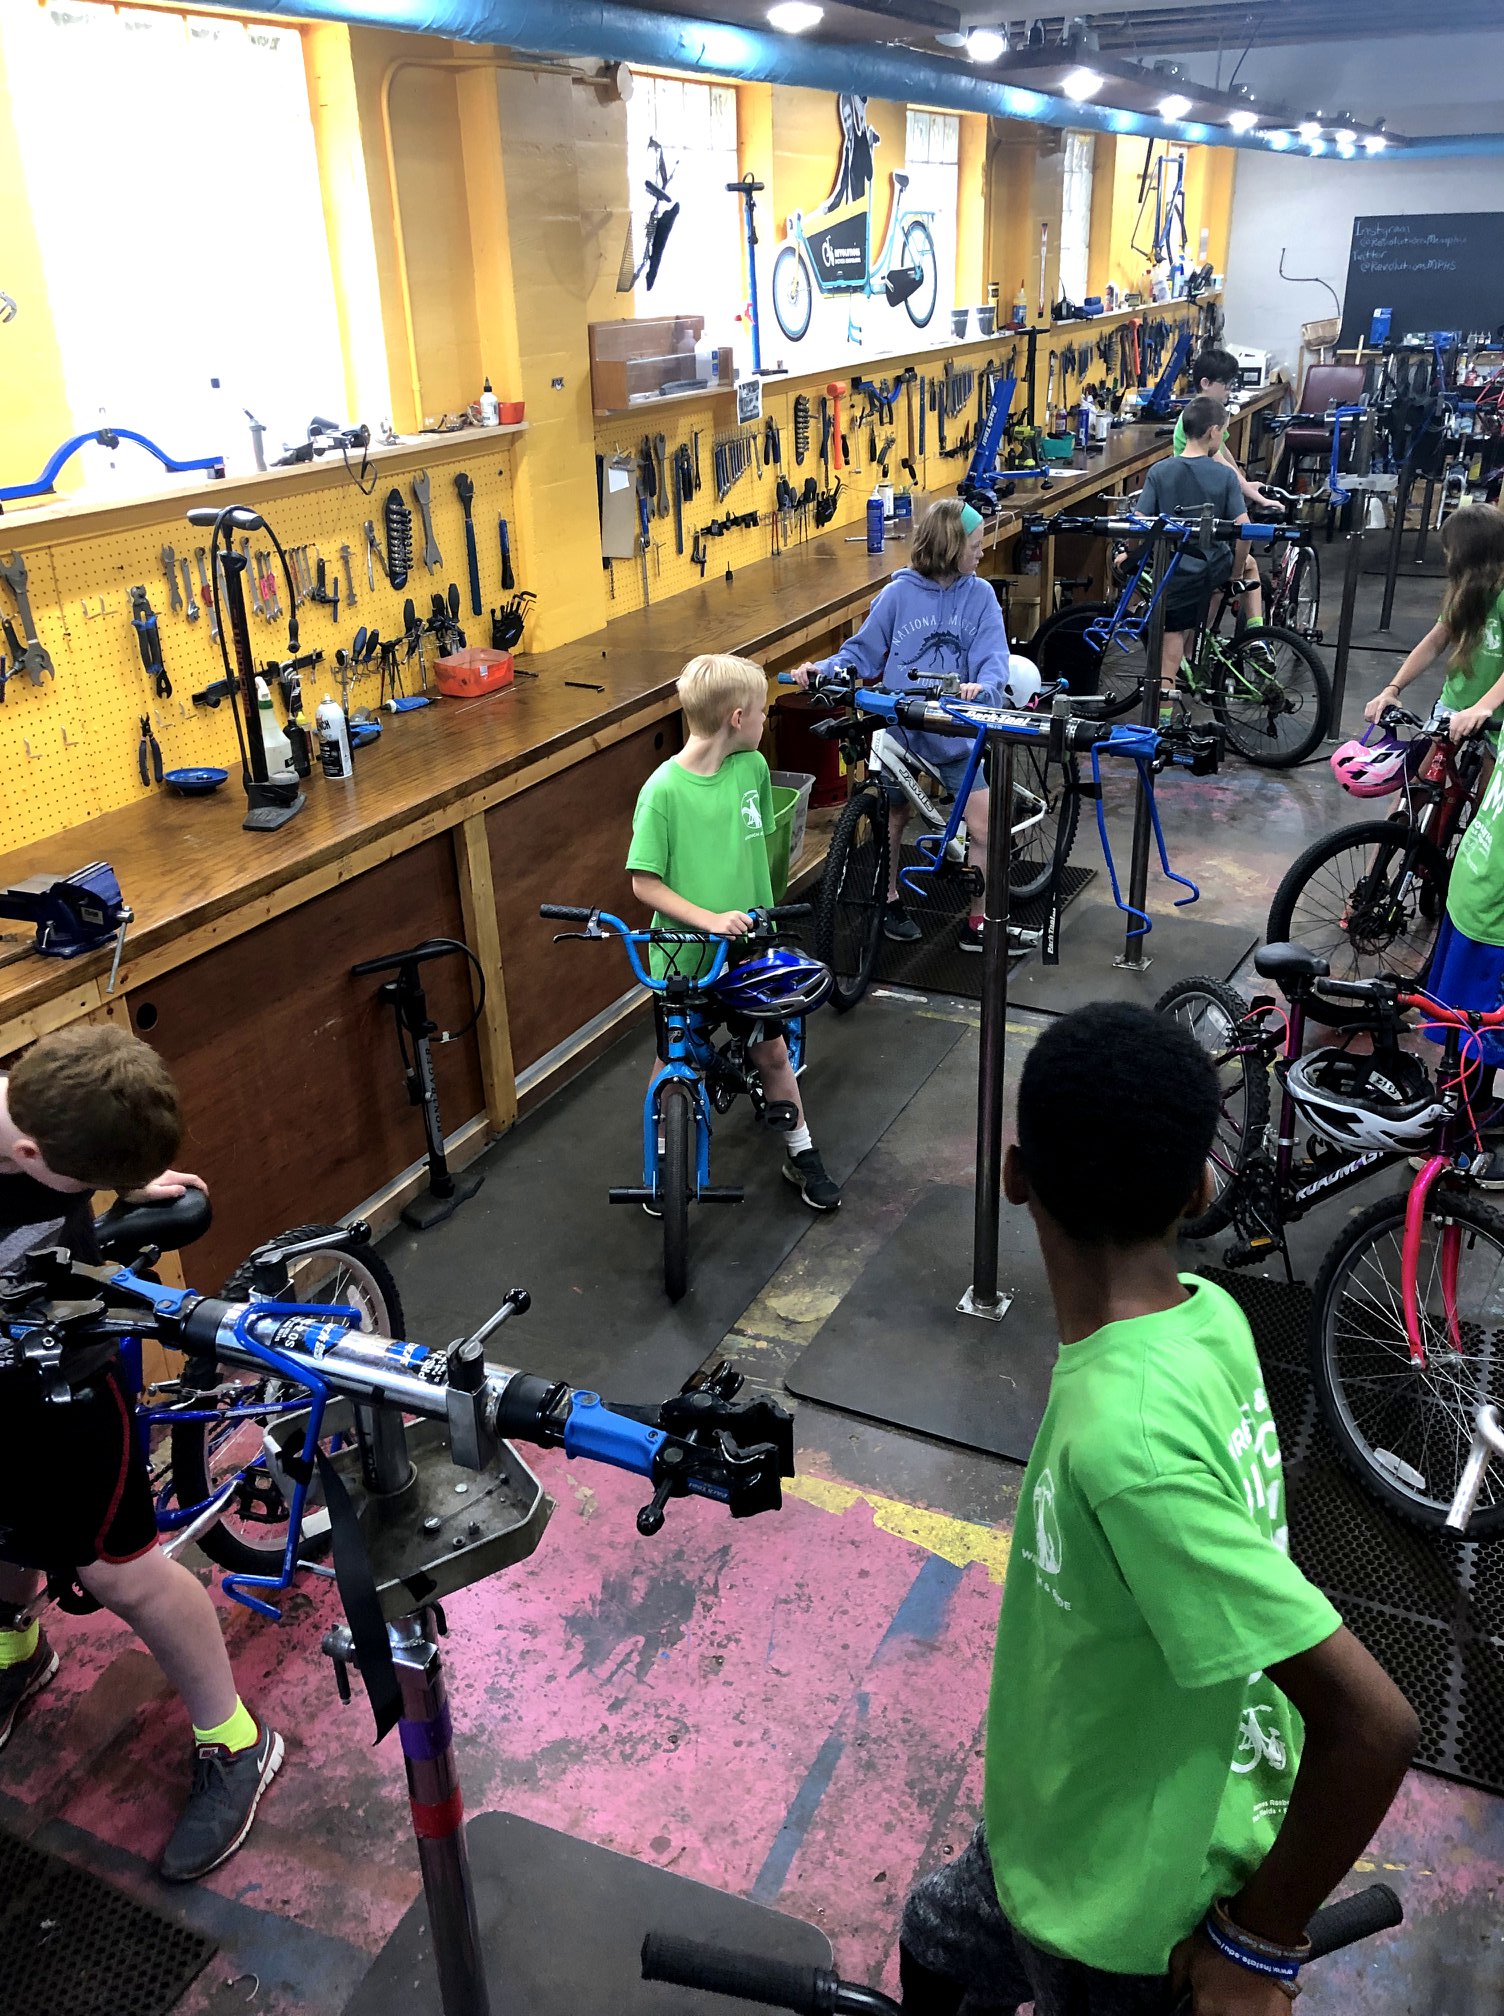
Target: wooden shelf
point(655, 400)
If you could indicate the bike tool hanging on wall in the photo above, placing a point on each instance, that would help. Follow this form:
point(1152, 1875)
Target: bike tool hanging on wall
point(271, 801)
point(416, 1032)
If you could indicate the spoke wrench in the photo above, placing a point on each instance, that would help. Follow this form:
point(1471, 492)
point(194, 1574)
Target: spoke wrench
point(34, 659)
point(432, 557)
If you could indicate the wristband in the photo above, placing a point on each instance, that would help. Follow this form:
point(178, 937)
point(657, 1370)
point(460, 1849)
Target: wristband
point(1299, 1953)
point(1259, 1956)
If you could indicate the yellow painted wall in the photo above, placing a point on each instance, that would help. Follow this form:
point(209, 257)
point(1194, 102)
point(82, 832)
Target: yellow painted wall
point(33, 401)
point(1012, 225)
point(971, 210)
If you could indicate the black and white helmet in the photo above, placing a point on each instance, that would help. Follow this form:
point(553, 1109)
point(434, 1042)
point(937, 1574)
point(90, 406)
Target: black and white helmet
point(1384, 1101)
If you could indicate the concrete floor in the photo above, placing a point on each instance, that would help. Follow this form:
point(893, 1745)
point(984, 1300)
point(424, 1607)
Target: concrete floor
point(789, 1708)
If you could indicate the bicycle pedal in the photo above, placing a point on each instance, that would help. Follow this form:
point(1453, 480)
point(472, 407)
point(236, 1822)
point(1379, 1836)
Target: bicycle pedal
point(782, 1115)
point(1250, 1253)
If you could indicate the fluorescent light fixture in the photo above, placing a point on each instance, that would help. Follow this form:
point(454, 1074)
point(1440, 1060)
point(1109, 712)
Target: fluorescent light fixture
point(1346, 149)
point(1309, 130)
point(1374, 143)
point(1174, 106)
point(1278, 140)
point(985, 45)
point(1344, 136)
point(1081, 84)
point(792, 17)
point(1243, 121)
point(1318, 146)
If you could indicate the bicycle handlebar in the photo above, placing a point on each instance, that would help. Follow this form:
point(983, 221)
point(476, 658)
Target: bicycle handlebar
point(817, 1991)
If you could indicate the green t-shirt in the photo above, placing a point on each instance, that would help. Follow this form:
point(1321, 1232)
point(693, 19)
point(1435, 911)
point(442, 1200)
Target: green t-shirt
point(706, 837)
point(1475, 894)
point(1139, 1763)
point(1177, 439)
point(1469, 679)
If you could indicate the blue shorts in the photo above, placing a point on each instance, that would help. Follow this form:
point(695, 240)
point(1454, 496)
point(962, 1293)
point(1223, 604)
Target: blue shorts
point(950, 771)
point(1467, 974)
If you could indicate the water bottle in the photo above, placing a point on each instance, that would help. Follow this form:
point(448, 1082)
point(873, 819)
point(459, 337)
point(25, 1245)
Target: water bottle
point(874, 523)
point(279, 763)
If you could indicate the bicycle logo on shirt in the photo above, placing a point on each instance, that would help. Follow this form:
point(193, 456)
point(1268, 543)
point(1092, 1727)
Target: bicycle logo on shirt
point(1256, 1744)
point(1048, 1551)
point(751, 813)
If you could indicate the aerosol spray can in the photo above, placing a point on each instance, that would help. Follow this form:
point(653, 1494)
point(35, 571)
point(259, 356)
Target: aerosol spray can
point(334, 739)
point(875, 523)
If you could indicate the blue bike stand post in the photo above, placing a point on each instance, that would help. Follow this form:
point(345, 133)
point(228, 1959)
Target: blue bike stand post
point(1131, 959)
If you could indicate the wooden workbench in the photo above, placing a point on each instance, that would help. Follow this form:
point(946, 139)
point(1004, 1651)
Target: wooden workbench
point(459, 822)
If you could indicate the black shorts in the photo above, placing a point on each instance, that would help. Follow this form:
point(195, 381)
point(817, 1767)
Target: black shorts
point(73, 1482)
point(1189, 614)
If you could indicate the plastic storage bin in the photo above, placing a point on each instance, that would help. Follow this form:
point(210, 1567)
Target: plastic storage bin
point(468, 674)
point(785, 805)
point(802, 784)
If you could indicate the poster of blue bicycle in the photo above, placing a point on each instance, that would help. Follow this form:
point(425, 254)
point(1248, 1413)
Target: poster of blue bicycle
point(829, 250)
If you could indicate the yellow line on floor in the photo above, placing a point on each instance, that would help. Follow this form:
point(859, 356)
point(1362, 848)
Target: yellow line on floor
point(958, 1541)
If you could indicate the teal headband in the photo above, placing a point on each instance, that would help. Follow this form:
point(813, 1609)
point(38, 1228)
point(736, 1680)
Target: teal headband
point(970, 519)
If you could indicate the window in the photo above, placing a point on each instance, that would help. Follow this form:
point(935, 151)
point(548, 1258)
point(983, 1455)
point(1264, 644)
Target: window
point(931, 156)
point(181, 226)
point(703, 266)
point(1075, 215)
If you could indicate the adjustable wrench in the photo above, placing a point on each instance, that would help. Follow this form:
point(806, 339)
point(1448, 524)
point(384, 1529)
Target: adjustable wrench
point(207, 592)
point(192, 611)
point(432, 557)
point(373, 552)
point(170, 569)
point(344, 561)
point(253, 581)
point(34, 660)
point(660, 449)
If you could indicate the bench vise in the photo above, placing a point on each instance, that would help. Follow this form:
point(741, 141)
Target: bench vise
point(73, 913)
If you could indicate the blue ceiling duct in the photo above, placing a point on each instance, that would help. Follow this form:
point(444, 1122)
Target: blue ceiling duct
point(614, 31)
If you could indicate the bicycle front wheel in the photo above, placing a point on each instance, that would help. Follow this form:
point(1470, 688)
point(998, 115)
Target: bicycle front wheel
point(1403, 1429)
point(1302, 607)
point(251, 1536)
point(1062, 649)
point(675, 1134)
point(853, 891)
point(919, 251)
point(1368, 899)
point(1047, 803)
point(1271, 693)
point(1210, 1011)
point(793, 292)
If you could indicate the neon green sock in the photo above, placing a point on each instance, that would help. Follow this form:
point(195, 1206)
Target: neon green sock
point(1255, 623)
point(16, 1647)
point(239, 1732)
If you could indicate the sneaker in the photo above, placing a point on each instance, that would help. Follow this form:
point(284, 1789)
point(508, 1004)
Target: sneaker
point(807, 1172)
point(19, 1683)
point(227, 1789)
point(899, 925)
point(971, 937)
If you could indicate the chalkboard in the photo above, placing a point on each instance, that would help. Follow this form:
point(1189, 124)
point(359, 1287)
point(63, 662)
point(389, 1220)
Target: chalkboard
point(1435, 272)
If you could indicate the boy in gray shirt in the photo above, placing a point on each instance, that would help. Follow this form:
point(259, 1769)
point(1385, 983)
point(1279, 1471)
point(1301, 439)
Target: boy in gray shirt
point(1179, 487)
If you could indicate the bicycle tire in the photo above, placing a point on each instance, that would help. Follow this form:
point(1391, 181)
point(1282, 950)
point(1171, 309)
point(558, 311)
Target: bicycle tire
point(1249, 657)
point(1245, 1085)
point(193, 1459)
point(1302, 602)
point(918, 234)
point(1061, 650)
point(1313, 906)
point(853, 893)
point(675, 1126)
point(1353, 1361)
point(792, 262)
point(1034, 864)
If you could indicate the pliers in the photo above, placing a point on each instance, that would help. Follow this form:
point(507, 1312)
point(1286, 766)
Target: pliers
point(149, 754)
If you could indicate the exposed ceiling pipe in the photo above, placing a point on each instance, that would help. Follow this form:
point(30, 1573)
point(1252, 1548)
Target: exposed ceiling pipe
point(610, 28)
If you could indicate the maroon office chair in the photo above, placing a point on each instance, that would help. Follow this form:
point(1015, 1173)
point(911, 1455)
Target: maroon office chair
point(1308, 439)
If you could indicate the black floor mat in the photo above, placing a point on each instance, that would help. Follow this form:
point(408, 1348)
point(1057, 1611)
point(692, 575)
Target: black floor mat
point(541, 1220)
point(1430, 1609)
point(561, 1929)
point(896, 1350)
point(935, 963)
point(70, 1945)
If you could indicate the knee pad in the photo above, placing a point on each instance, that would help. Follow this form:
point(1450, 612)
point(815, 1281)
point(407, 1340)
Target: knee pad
point(781, 1114)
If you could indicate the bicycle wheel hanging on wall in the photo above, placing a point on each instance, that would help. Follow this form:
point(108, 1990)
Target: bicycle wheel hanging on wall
point(793, 292)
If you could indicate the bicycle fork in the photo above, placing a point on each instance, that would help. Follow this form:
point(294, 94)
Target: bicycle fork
point(1451, 1255)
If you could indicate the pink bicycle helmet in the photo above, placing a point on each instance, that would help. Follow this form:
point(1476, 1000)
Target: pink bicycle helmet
point(1368, 768)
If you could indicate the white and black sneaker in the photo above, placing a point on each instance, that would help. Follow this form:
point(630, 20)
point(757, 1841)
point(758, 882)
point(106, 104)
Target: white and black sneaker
point(227, 1788)
point(807, 1173)
point(971, 939)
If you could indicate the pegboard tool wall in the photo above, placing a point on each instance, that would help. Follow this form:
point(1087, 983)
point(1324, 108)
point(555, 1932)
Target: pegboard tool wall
point(68, 748)
point(714, 417)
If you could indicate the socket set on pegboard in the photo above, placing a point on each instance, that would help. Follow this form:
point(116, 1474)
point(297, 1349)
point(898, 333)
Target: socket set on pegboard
point(113, 669)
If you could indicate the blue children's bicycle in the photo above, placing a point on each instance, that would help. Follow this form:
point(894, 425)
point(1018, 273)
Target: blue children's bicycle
point(767, 991)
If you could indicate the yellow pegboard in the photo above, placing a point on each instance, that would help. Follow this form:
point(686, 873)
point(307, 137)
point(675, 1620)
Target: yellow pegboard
point(68, 748)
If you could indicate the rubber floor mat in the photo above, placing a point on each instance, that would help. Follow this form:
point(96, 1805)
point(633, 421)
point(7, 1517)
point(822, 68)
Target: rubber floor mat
point(935, 963)
point(541, 1219)
point(1430, 1609)
point(70, 1945)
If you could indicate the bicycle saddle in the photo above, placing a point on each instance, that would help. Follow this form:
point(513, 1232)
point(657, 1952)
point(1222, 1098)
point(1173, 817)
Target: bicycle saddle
point(125, 1229)
point(1289, 962)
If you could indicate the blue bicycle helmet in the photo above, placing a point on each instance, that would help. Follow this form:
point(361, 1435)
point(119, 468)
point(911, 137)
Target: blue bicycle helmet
point(777, 983)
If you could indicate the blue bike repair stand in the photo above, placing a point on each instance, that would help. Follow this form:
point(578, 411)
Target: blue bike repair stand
point(984, 1298)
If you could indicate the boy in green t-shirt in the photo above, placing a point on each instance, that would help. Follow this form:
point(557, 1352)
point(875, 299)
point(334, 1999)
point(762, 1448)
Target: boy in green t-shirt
point(1185, 1748)
point(699, 859)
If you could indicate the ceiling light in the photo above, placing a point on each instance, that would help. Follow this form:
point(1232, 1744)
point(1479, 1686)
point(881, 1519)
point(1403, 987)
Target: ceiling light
point(1175, 106)
point(1318, 146)
point(1374, 143)
point(1309, 129)
point(1346, 149)
point(1242, 121)
point(1079, 85)
point(1344, 136)
point(985, 45)
point(792, 17)
point(1278, 140)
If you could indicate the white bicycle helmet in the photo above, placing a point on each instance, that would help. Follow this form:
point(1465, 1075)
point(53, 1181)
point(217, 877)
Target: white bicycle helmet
point(1023, 680)
point(1383, 1101)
